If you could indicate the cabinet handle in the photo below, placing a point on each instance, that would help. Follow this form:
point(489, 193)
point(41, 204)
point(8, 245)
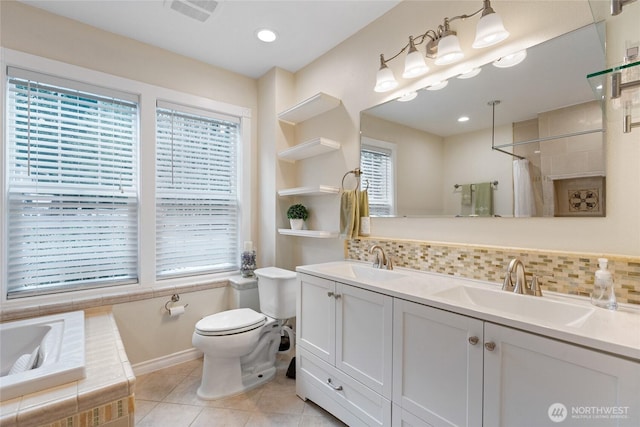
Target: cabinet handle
point(490, 346)
point(330, 294)
point(473, 340)
point(337, 296)
point(335, 387)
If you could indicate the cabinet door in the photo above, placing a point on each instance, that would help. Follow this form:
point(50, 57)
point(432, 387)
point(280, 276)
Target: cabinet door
point(364, 336)
point(316, 329)
point(534, 381)
point(437, 369)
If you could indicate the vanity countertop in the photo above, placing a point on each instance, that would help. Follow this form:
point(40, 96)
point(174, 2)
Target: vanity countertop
point(616, 332)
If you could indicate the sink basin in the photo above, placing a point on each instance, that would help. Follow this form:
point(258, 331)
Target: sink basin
point(361, 272)
point(537, 308)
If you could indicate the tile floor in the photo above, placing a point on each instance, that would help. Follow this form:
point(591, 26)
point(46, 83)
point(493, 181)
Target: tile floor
point(168, 398)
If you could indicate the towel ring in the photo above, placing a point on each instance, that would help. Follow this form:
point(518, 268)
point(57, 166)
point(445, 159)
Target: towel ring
point(357, 172)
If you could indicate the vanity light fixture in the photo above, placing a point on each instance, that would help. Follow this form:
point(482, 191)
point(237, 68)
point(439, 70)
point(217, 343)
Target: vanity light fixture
point(510, 60)
point(442, 44)
point(266, 35)
point(463, 119)
point(470, 73)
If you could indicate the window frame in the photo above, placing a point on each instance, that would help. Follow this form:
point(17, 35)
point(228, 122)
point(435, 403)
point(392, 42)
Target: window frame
point(391, 147)
point(148, 94)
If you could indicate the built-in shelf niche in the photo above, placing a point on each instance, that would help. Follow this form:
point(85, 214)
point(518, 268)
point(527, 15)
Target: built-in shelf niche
point(305, 110)
point(317, 190)
point(311, 148)
point(311, 107)
point(318, 234)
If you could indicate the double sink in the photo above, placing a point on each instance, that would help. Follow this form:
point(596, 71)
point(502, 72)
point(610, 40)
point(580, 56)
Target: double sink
point(483, 298)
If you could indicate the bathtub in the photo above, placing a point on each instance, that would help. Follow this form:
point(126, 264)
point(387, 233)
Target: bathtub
point(39, 353)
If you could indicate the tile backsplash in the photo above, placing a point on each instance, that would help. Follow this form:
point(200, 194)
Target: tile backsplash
point(564, 272)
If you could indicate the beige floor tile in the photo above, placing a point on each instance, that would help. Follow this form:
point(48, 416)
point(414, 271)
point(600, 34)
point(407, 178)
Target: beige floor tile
point(143, 407)
point(270, 420)
point(168, 398)
point(280, 403)
point(245, 401)
point(170, 415)
point(218, 417)
point(186, 393)
point(156, 386)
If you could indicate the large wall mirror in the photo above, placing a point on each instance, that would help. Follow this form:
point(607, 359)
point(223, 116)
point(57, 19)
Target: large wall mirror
point(539, 151)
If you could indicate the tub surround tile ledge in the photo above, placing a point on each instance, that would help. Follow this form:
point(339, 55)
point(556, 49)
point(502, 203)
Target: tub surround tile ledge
point(110, 297)
point(104, 397)
point(569, 273)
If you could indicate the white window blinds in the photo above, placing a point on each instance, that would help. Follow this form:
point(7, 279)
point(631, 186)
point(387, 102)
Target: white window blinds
point(377, 168)
point(72, 185)
point(197, 213)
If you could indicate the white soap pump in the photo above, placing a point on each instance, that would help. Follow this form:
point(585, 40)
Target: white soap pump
point(603, 290)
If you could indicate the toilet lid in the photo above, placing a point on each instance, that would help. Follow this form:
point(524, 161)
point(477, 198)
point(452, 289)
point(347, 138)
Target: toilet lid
point(230, 322)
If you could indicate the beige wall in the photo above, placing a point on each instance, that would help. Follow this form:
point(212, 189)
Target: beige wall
point(148, 333)
point(348, 72)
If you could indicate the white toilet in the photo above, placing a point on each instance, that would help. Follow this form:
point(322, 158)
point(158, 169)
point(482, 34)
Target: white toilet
point(240, 345)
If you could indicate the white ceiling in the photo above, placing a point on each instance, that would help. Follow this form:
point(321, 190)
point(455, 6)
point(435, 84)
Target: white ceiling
point(306, 28)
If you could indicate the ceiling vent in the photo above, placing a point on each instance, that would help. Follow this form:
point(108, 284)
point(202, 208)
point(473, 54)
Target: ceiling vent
point(200, 10)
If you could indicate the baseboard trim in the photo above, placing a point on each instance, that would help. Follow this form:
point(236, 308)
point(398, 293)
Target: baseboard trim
point(167, 361)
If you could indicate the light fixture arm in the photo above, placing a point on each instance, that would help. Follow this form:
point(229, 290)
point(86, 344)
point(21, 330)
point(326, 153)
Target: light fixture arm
point(441, 31)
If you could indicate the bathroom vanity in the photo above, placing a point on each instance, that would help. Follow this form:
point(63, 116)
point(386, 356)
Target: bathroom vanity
point(408, 348)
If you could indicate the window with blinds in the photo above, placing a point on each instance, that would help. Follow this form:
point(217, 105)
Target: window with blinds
point(72, 185)
point(377, 168)
point(197, 212)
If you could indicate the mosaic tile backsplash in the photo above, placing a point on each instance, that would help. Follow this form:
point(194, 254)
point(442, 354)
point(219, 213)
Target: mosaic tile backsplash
point(564, 272)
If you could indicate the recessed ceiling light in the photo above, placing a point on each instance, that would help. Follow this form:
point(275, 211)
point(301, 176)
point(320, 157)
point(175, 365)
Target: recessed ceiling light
point(470, 73)
point(266, 35)
point(438, 85)
point(463, 119)
point(511, 59)
point(408, 96)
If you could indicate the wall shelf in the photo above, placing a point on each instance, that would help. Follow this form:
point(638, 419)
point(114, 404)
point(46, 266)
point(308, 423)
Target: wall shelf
point(311, 107)
point(318, 190)
point(623, 77)
point(313, 147)
point(318, 234)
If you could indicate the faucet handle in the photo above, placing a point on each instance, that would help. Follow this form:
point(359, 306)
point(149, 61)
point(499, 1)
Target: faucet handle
point(535, 287)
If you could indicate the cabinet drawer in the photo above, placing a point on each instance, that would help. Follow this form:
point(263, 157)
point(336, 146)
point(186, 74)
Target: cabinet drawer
point(323, 381)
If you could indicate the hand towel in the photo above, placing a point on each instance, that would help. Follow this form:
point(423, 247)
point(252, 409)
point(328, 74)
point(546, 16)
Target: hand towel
point(466, 194)
point(363, 206)
point(349, 214)
point(484, 199)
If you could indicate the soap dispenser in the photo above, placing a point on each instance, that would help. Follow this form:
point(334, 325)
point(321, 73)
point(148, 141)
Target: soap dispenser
point(603, 290)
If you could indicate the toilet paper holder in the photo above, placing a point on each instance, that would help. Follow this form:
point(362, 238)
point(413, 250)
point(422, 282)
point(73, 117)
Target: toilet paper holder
point(174, 298)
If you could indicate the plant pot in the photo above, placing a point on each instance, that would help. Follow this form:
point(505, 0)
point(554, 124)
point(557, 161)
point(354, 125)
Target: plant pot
point(296, 224)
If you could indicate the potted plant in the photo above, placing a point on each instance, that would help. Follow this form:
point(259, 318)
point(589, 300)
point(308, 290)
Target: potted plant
point(297, 215)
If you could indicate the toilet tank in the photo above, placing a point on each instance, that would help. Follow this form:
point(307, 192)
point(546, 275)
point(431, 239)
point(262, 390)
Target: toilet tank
point(277, 289)
point(244, 293)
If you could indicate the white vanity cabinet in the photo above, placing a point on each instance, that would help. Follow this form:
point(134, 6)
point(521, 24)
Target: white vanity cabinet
point(525, 374)
point(344, 350)
point(451, 369)
point(438, 366)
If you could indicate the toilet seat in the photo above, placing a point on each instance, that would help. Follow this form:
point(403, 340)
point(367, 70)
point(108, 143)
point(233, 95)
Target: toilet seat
point(230, 322)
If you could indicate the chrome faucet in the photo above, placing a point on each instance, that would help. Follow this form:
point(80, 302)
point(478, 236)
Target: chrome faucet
point(516, 265)
point(381, 260)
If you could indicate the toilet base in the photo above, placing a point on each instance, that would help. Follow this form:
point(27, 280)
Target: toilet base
point(227, 376)
point(224, 378)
